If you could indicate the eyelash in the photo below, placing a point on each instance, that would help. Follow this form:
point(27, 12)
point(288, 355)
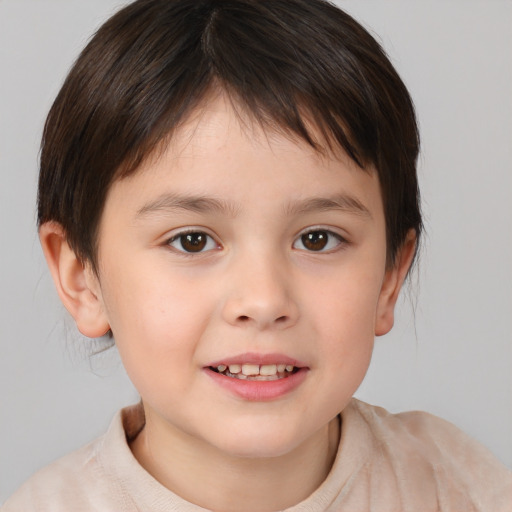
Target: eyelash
point(330, 238)
point(209, 243)
point(180, 238)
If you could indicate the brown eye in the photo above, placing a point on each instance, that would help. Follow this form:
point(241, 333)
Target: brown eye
point(193, 242)
point(196, 241)
point(315, 240)
point(318, 240)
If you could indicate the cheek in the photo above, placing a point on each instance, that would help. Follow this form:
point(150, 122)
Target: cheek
point(348, 302)
point(345, 321)
point(157, 321)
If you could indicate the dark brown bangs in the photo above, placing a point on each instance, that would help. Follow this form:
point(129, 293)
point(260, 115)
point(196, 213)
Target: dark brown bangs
point(289, 64)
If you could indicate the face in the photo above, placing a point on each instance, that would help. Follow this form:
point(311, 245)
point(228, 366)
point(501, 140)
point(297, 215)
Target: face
point(244, 278)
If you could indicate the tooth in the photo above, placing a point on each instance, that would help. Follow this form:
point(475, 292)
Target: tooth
point(250, 369)
point(289, 367)
point(268, 369)
point(235, 368)
point(281, 368)
point(241, 376)
point(264, 378)
point(221, 367)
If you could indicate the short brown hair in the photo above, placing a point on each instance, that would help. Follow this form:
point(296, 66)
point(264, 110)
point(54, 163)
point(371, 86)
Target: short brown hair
point(282, 61)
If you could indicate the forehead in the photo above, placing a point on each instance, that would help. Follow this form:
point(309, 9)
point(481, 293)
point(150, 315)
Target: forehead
point(221, 152)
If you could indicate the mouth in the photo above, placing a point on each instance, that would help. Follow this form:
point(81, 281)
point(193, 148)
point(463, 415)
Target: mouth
point(258, 377)
point(256, 372)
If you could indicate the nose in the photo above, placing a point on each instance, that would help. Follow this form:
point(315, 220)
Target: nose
point(260, 295)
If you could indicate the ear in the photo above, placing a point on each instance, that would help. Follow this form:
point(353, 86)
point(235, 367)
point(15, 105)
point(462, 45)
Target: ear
point(76, 283)
point(393, 280)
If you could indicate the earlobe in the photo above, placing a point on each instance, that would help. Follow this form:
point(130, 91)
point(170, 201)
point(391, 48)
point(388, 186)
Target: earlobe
point(392, 284)
point(76, 284)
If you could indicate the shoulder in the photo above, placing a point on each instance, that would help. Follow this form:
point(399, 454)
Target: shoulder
point(78, 481)
point(440, 441)
point(420, 447)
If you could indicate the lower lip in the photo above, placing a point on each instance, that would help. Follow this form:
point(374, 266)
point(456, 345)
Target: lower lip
point(259, 390)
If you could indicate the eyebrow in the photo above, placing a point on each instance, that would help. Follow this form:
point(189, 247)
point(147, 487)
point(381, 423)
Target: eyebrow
point(341, 202)
point(203, 204)
point(197, 204)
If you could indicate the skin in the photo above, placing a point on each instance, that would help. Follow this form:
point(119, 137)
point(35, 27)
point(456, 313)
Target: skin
point(255, 287)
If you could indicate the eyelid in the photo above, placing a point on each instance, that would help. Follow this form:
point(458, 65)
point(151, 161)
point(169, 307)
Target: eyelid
point(342, 240)
point(179, 232)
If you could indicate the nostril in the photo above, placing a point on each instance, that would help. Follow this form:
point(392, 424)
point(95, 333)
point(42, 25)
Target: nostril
point(280, 320)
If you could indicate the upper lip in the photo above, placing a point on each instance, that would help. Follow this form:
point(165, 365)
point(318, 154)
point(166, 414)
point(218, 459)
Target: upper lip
point(259, 359)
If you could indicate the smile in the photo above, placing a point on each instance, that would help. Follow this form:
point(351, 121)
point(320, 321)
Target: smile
point(257, 377)
point(255, 372)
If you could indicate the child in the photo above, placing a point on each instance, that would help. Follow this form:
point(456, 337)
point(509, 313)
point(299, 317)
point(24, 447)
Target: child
point(229, 189)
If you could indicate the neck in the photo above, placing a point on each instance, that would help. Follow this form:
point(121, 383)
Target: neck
point(229, 483)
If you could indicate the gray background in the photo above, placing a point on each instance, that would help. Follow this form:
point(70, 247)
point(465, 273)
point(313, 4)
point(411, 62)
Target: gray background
point(452, 357)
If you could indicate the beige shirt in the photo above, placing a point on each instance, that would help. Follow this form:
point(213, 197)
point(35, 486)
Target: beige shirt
point(385, 463)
